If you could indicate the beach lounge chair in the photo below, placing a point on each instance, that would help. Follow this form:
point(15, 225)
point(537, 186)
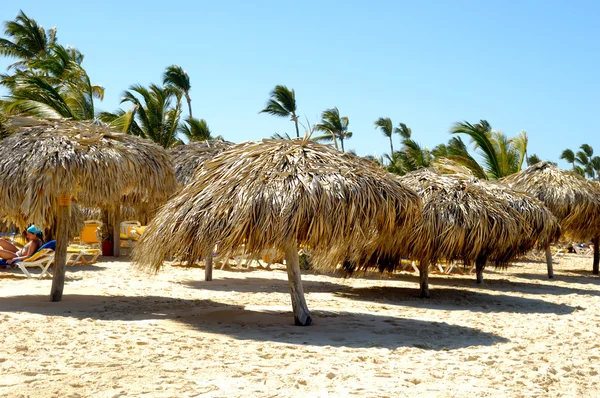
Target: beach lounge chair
point(43, 258)
point(129, 233)
point(82, 255)
point(89, 233)
point(581, 249)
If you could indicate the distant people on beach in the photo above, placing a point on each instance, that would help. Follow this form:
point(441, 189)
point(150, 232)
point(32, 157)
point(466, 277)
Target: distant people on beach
point(10, 253)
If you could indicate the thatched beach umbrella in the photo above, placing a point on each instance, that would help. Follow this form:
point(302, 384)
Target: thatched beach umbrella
point(282, 194)
point(186, 158)
point(573, 200)
point(464, 220)
point(186, 161)
point(48, 164)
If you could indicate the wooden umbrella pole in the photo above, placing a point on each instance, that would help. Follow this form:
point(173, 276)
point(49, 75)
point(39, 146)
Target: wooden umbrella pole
point(117, 231)
point(208, 265)
point(301, 314)
point(479, 266)
point(595, 241)
point(549, 262)
point(424, 279)
point(60, 254)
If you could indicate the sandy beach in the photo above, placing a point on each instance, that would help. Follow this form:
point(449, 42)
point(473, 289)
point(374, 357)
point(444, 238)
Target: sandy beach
point(119, 333)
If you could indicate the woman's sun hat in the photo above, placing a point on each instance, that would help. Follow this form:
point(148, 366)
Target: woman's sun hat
point(34, 230)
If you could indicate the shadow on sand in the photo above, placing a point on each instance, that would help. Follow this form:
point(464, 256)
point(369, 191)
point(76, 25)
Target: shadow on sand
point(442, 298)
point(339, 329)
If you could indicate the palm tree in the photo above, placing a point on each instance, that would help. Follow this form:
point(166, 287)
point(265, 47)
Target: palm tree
point(195, 129)
point(335, 127)
point(155, 114)
point(29, 40)
point(569, 156)
point(583, 162)
point(283, 104)
point(54, 86)
point(533, 159)
point(501, 156)
point(385, 124)
point(175, 76)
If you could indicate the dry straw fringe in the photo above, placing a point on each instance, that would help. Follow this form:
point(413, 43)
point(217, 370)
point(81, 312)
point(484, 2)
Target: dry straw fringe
point(187, 158)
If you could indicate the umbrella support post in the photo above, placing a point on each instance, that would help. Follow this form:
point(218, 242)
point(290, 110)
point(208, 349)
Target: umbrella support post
point(117, 231)
point(208, 265)
point(479, 266)
point(595, 242)
point(301, 314)
point(60, 256)
point(424, 279)
point(549, 262)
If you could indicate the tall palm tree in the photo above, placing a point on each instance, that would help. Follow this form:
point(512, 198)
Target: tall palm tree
point(283, 104)
point(335, 127)
point(501, 156)
point(385, 124)
point(176, 76)
point(26, 40)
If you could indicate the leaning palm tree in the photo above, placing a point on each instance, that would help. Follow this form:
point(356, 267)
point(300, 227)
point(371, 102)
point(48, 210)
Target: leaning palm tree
point(26, 40)
point(283, 104)
point(282, 194)
point(334, 126)
point(385, 124)
point(573, 200)
point(54, 86)
point(175, 76)
point(502, 156)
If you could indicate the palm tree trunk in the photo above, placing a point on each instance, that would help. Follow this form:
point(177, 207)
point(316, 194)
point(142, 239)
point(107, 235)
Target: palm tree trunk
point(424, 278)
point(342, 142)
point(479, 266)
point(391, 148)
point(189, 101)
point(295, 118)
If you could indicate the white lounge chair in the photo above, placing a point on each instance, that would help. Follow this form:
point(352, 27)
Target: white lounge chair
point(43, 258)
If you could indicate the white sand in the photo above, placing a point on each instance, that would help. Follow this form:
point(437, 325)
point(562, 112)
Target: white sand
point(120, 334)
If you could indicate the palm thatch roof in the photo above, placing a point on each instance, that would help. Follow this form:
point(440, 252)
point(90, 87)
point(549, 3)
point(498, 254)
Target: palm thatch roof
point(277, 193)
point(92, 163)
point(463, 220)
point(573, 200)
point(187, 158)
point(545, 228)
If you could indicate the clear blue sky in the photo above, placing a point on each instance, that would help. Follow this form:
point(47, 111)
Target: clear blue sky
point(521, 65)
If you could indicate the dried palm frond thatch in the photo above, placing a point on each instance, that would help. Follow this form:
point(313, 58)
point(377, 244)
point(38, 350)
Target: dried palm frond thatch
point(282, 194)
point(573, 200)
point(95, 165)
point(186, 158)
point(50, 162)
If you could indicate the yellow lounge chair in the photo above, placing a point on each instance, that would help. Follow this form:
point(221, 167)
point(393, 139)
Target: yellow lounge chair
point(77, 255)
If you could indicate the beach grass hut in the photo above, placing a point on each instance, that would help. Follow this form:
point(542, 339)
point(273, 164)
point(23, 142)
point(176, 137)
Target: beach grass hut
point(573, 200)
point(49, 164)
point(283, 194)
point(187, 158)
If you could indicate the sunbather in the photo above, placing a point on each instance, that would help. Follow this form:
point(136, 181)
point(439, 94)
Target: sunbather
point(9, 252)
